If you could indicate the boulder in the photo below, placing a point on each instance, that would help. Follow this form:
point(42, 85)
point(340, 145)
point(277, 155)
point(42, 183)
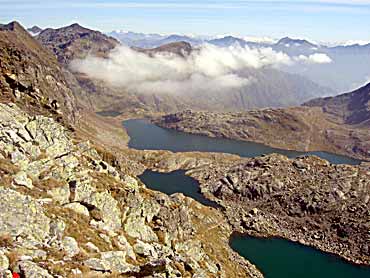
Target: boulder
point(70, 246)
point(21, 179)
point(78, 208)
point(31, 270)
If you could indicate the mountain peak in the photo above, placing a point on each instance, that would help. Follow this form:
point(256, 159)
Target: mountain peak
point(75, 41)
point(291, 41)
point(12, 26)
point(34, 29)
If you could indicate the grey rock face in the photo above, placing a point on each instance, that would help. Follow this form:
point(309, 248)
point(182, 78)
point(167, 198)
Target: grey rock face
point(78, 208)
point(111, 261)
point(22, 180)
point(57, 200)
point(24, 217)
point(70, 246)
point(32, 270)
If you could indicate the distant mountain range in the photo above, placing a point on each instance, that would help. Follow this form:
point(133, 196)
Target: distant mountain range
point(271, 87)
point(154, 40)
point(348, 61)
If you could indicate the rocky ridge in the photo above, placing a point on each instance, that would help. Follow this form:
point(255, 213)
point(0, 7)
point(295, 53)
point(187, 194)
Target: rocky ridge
point(75, 42)
point(306, 199)
point(338, 124)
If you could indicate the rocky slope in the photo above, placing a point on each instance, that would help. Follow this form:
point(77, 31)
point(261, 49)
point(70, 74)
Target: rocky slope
point(339, 125)
point(69, 212)
point(75, 41)
point(305, 199)
point(31, 76)
point(70, 208)
point(352, 108)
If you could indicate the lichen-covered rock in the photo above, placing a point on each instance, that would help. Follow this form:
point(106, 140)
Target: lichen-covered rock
point(50, 136)
point(21, 179)
point(32, 270)
point(92, 247)
point(57, 227)
point(78, 208)
point(145, 249)
point(22, 216)
point(60, 194)
point(130, 182)
point(125, 245)
point(111, 261)
point(137, 219)
point(135, 227)
point(70, 246)
point(109, 209)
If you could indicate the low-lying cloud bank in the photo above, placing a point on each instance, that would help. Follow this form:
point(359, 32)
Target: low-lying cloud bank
point(209, 68)
point(317, 58)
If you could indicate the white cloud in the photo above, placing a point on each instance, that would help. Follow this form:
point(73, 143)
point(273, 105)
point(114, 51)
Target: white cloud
point(316, 58)
point(208, 68)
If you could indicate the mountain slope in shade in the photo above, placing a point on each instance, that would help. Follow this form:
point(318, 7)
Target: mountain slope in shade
point(352, 108)
point(75, 41)
point(339, 124)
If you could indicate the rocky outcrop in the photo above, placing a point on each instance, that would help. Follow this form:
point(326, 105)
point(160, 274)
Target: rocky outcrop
point(76, 42)
point(305, 199)
point(182, 49)
point(337, 125)
point(68, 212)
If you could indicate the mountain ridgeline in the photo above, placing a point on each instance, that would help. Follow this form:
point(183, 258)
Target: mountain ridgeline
point(348, 61)
point(270, 87)
point(75, 41)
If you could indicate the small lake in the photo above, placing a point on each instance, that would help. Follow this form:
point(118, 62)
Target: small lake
point(276, 258)
point(175, 182)
point(147, 136)
point(279, 258)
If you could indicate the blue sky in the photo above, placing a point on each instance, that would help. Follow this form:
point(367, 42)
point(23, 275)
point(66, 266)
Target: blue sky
point(320, 20)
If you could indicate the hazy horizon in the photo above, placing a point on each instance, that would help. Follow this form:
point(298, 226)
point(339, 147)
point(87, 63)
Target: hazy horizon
point(321, 21)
